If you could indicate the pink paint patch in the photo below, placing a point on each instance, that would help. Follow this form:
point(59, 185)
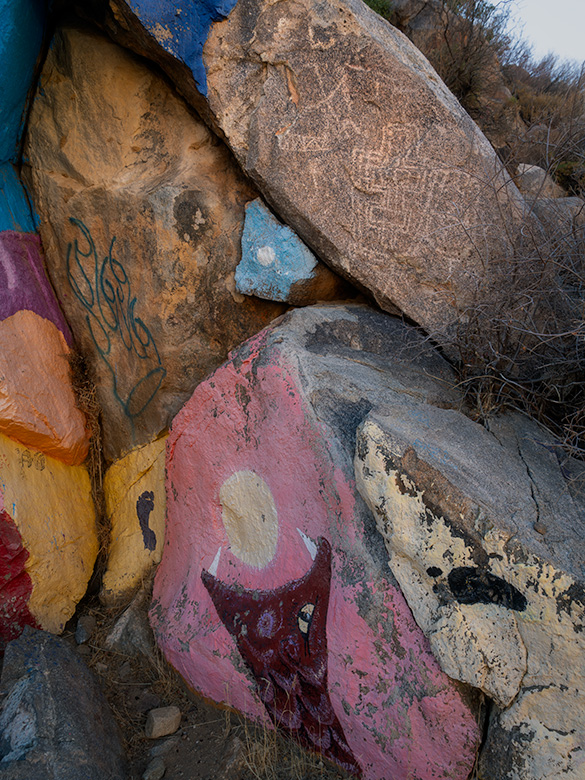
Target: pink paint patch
point(24, 284)
point(402, 717)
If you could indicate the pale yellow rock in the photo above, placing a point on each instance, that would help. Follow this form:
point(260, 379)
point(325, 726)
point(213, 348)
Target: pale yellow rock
point(37, 403)
point(52, 507)
point(134, 488)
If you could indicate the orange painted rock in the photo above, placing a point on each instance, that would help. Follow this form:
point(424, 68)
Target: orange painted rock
point(37, 404)
point(134, 488)
point(48, 539)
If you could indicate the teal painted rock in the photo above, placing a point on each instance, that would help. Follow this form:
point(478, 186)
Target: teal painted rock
point(278, 266)
point(21, 33)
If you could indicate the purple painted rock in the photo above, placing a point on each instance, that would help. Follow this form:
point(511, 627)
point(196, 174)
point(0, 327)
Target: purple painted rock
point(352, 138)
point(142, 211)
point(274, 593)
point(23, 280)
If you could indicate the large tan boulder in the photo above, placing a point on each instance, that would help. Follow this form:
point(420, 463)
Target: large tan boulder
point(141, 217)
point(352, 138)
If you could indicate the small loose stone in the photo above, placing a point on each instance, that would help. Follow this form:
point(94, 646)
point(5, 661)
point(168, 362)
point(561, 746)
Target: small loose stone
point(85, 628)
point(540, 528)
point(155, 770)
point(162, 721)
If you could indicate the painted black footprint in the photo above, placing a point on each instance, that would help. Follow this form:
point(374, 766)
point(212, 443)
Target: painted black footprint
point(144, 507)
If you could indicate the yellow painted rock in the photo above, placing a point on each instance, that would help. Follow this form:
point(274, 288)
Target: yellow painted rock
point(50, 505)
point(37, 403)
point(134, 487)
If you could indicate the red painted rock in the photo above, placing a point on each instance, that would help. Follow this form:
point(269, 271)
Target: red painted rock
point(274, 593)
point(142, 211)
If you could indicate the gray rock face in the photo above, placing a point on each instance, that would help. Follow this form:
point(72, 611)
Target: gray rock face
point(534, 182)
point(354, 141)
point(487, 542)
point(142, 211)
point(55, 723)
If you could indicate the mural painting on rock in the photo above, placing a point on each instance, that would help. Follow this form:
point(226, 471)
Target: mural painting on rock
point(269, 597)
point(281, 635)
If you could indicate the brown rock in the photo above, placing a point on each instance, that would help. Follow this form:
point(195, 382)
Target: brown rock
point(141, 216)
point(356, 143)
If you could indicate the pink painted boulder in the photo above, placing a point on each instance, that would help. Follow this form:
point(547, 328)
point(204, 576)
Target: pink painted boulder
point(274, 593)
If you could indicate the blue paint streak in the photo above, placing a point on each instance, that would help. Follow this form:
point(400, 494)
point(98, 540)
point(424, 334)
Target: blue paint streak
point(22, 24)
point(182, 27)
point(15, 210)
point(273, 256)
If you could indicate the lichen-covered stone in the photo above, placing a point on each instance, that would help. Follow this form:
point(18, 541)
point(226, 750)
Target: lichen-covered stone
point(274, 595)
point(487, 542)
point(141, 217)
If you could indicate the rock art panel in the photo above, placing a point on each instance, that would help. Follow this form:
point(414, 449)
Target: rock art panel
point(356, 143)
point(274, 593)
point(278, 266)
point(37, 403)
point(487, 543)
point(48, 511)
point(141, 217)
point(134, 489)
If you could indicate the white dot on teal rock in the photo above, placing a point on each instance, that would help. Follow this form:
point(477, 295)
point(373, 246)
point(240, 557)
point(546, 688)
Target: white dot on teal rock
point(266, 255)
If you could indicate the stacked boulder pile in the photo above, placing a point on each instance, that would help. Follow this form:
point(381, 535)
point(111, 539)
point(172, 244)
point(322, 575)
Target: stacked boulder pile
point(262, 225)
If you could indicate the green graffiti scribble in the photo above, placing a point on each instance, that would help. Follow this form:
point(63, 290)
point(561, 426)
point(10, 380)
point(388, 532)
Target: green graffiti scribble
point(103, 289)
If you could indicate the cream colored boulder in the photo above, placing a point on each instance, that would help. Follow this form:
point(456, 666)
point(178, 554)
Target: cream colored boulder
point(487, 541)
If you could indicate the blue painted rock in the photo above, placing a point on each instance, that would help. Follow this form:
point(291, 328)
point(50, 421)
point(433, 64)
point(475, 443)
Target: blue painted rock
point(353, 140)
point(278, 266)
point(141, 217)
point(274, 594)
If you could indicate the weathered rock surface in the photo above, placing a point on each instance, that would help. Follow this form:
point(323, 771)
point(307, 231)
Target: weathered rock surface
point(37, 403)
point(488, 545)
point(352, 138)
point(278, 266)
point(274, 593)
point(142, 212)
point(55, 723)
point(534, 182)
point(49, 540)
point(134, 490)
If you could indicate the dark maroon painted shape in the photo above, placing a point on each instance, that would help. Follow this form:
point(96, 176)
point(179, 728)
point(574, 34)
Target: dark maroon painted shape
point(24, 283)
point(15, 582)
point(281, 635)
